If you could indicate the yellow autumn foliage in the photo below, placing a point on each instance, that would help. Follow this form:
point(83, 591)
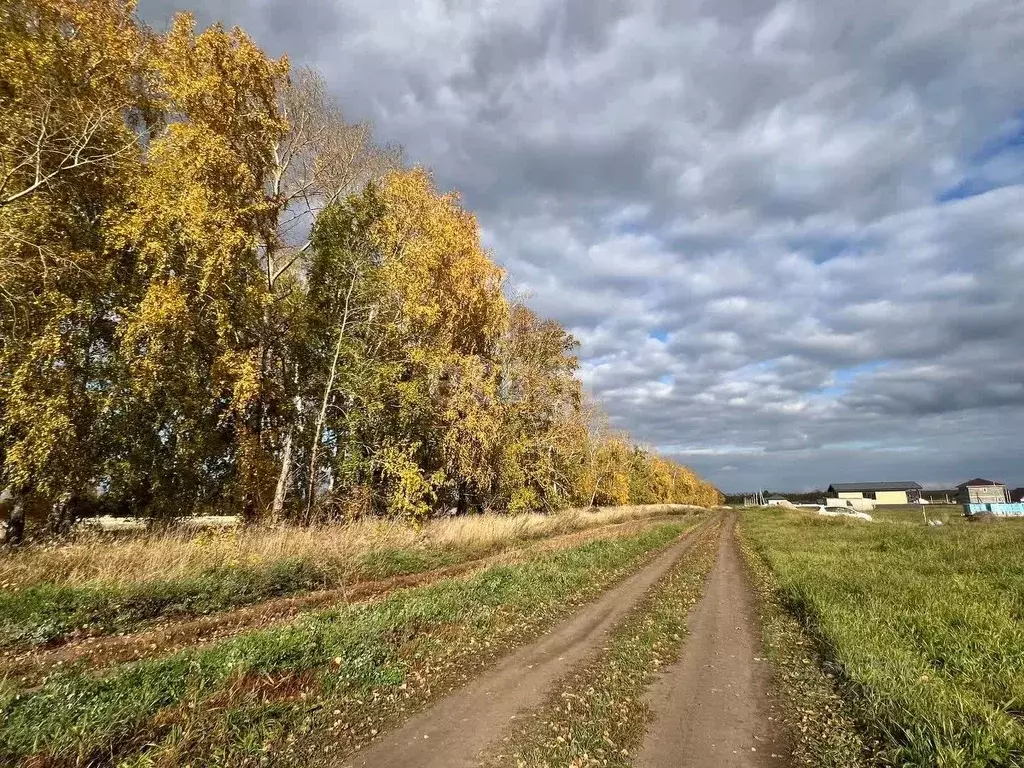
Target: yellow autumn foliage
point(171, 347)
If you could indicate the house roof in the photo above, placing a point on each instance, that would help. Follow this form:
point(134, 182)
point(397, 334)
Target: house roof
point(976, 482)
point(885, 486)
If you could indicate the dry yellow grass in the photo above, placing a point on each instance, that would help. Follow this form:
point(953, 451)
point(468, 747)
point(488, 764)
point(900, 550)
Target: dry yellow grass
point(96, 559)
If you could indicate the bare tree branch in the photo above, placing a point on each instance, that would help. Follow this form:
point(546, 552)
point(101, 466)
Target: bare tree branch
point(322, 159)
point(58, 146)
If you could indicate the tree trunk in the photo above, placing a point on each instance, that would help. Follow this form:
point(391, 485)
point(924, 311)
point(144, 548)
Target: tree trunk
point(592, 456)
point(15, 532)
point(597, 487)
point(284, 476)
point(314, 452)
point(62, 514)
point(281, 491)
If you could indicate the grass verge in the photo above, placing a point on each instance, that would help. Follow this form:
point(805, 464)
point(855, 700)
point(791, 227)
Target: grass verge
point(47, 614)
point(924, 627)
point(318, 688)
point(174, 576)
point(597, 715)
point(806, 689)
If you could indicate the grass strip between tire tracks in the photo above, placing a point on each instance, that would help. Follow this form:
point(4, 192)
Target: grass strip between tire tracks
point(320, 687)
point(597, 715)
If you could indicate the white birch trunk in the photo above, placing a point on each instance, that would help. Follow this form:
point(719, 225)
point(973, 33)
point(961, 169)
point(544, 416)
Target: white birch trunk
point(322, 416)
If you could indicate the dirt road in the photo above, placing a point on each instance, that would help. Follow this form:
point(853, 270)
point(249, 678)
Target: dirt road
point(453, 732)
point(712, 707)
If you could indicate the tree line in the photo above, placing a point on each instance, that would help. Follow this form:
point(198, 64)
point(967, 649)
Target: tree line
point(217, 293)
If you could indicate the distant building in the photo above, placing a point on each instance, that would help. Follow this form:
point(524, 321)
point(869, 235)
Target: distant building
point(881, 493)
point(981, 491)
point(778, 502)
point(1017, 495)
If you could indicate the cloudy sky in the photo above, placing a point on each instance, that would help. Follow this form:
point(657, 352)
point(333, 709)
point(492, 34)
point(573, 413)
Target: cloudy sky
point(789, 235)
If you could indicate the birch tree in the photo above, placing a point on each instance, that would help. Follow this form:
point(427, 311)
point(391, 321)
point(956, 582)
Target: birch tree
point(190, 345)
point(73, 82)
point(542, 433)
point(344, 297)
point(320, 160)
point(451, 314)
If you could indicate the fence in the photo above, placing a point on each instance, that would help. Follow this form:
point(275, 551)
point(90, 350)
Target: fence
point(1003, 510)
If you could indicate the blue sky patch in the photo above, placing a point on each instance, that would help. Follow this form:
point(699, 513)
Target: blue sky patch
point(843, 377)
point(999, 163)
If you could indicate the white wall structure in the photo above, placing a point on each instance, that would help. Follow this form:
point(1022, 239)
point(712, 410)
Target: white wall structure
point(861, 505)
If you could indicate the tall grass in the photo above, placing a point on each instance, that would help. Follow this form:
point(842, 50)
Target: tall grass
point(102, 586)
point(925, 624)
point(169, 556)
point(914, 514)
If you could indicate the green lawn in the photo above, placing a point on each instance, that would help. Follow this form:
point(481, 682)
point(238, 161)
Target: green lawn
point(925, 625)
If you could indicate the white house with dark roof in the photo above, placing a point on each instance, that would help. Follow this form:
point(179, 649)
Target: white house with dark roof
point(982, 491)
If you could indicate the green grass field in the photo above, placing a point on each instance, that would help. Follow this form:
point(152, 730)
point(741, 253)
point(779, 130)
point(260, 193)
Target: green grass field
point(925, 626)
